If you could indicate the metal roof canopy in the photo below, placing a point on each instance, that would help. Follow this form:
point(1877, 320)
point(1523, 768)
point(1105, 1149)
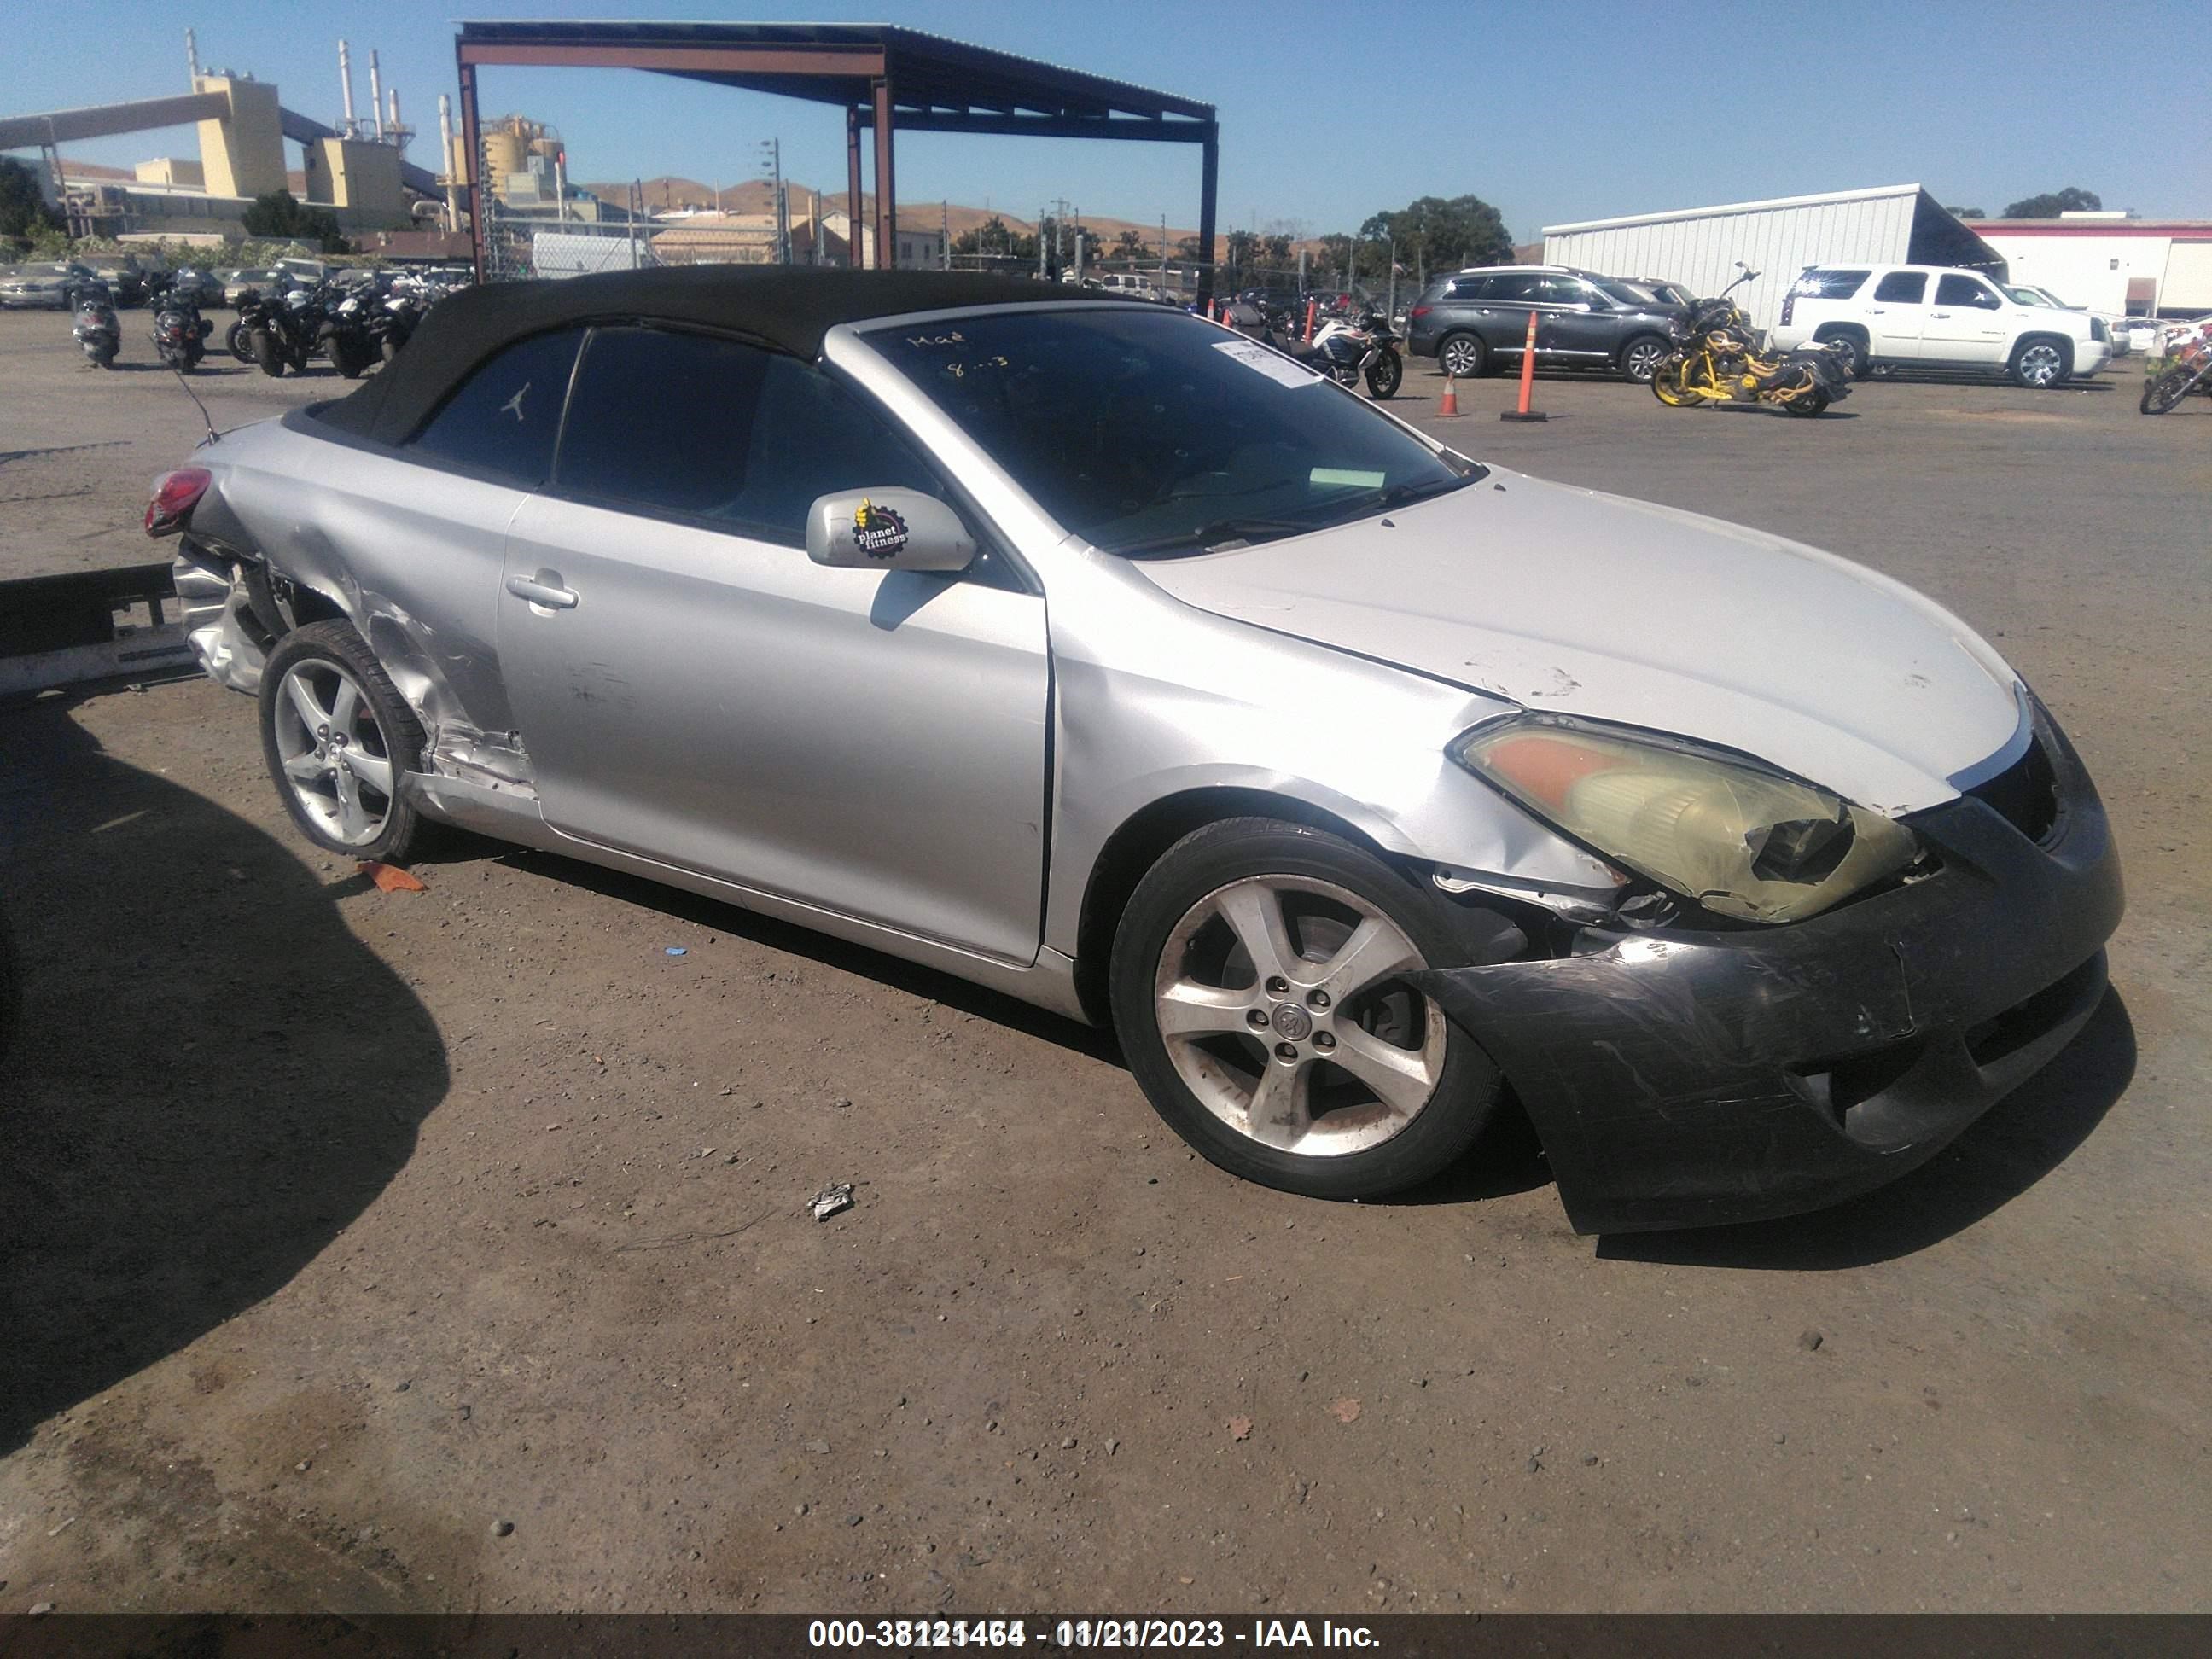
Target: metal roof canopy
point(885, 77)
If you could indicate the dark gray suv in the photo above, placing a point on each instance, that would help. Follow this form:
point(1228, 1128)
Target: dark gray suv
point(1474, 319)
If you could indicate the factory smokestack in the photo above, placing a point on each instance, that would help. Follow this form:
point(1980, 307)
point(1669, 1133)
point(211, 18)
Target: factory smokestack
point(392, 125)
point(345, 81)
point(192, 58)
point(445, 162)
point(376, 97)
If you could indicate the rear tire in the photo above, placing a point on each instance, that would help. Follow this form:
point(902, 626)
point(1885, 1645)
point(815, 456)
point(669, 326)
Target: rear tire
point(1640, 357)
point(1854, 352)
point(348, 798)
point(1807, 406)
point(1251, 1097)
point(1463, 357)
point(2167, 391)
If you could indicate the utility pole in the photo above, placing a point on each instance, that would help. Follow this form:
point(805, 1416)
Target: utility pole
point(1042, 214)
point(944, 233)
point(1163, 255)
point(772, 163)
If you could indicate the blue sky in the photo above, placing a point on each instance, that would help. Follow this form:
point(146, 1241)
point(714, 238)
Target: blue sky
point(1328, 112)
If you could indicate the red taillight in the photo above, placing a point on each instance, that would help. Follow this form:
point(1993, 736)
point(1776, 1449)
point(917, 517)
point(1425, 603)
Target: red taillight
point(1418, 311)
point(175, 495)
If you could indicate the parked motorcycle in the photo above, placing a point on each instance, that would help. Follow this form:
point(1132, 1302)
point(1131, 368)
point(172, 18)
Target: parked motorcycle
point(97, 331)
point(281, 330)
point(1715, 360)
point(2191, 372)
point(180, 333)
point(1362, 347)
point(393, 319)
point(1344, 348)
point(345, 338)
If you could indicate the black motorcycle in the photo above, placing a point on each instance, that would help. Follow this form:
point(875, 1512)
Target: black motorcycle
point(393, 319)
point(280, 329)
point(97, 331)
point(180, 333)
point(345, 335)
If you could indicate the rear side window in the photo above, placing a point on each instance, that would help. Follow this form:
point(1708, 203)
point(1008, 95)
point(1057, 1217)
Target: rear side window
point(1469, 287)
point(1964, 291)
point(1902, 287)
point(503, 420)
point(701, 427)
point(1831, 284)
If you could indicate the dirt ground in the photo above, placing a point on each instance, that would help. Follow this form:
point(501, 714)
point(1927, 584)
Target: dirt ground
point(448, 1250)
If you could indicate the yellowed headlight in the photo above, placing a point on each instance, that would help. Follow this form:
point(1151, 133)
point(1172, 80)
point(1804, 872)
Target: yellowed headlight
point(1741, 841)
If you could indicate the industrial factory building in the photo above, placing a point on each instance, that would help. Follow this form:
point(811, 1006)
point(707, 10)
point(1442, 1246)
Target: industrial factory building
point(357, 170)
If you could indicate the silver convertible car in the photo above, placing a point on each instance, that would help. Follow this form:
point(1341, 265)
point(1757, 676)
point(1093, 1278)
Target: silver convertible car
point(1089, 651)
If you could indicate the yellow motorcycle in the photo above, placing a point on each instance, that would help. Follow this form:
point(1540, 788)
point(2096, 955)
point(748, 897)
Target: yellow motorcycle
point(1714, 361)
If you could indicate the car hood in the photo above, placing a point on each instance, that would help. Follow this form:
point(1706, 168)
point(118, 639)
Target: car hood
point(1572, 601)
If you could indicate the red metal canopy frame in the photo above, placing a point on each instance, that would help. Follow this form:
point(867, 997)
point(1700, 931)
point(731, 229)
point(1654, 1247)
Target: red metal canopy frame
point(886, 79)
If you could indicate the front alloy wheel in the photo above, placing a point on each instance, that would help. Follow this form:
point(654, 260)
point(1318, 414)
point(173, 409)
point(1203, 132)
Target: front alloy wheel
point(1279, 999)
point(2040, 365)
point(1259, 989)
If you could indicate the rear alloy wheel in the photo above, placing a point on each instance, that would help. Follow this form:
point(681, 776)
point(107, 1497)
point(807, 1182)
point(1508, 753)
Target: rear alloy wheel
point(1641, 355)
point(1464, 357)
point(1852, 352)
point(337, 736)
point(1259, 992)
point(2040, 365)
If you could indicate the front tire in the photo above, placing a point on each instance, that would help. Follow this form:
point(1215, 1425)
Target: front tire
point(1387, 374)
point(2040, 365)
point(337, 737)
point(1257, 987)
point(2167, 391)
point(1464, 356)
point(267, 353)
point(1670, 382)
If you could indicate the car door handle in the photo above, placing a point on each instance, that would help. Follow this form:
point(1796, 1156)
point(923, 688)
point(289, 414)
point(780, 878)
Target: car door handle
point(1877, 311)
point(1939, 314)
point(542, 593)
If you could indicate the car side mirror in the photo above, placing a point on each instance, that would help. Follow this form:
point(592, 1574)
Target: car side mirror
point(887, 529)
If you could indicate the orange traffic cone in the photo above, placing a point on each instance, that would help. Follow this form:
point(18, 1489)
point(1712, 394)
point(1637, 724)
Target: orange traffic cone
point(1450, 405)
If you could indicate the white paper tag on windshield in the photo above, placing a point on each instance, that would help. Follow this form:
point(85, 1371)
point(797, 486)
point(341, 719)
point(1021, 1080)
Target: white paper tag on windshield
point(1272, 364)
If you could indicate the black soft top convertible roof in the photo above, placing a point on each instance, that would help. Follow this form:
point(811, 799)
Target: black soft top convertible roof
point(785, 309)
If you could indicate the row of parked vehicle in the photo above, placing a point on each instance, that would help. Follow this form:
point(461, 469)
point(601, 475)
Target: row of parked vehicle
point(354, 320)
point(1881, 317)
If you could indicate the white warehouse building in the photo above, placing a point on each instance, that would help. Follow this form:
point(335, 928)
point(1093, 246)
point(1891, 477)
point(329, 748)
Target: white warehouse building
point(2111, 263)
point(1699, 248)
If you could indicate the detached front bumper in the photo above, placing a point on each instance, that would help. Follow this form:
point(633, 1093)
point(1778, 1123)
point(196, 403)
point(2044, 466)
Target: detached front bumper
point(1685, 1079)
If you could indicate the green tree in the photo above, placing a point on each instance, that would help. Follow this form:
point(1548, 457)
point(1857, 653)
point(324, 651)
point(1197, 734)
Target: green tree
point(278, 213)
point(23, 210)
point(1130, 245)
point(1965, 213)
point(1190, 250)
point(2051, 204)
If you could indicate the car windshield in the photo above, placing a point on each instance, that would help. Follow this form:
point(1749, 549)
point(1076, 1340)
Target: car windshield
point(1152, 434)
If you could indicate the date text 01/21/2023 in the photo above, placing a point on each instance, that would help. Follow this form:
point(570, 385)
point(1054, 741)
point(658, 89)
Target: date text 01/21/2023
point(1064, 1633)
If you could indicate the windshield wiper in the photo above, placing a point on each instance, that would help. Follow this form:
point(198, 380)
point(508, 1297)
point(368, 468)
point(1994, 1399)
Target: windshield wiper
point(1219, 533)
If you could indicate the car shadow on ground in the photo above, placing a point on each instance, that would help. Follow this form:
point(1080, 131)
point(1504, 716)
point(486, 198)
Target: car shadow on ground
point(2015, 1144)
point(214, 1078)
point(795, 940)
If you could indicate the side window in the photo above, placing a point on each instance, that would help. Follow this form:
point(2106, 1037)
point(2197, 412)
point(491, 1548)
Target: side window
point(1964, 291)
point(1519, 288)
point(1902, 287)
point(505, 416)
point(712, 428)
point(1471, 287)
point(1561, 291)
